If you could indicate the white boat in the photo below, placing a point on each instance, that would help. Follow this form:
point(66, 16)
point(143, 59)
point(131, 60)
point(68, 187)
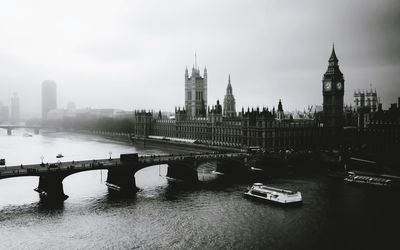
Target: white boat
point(113, 186)
point(259, 190)
point(27, 135)
point(217, 173)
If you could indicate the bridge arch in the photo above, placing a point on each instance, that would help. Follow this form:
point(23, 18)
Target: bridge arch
point(121, 172)
point(82, 171)
point(85, 183)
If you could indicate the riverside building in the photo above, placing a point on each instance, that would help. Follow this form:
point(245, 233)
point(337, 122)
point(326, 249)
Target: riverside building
point(271, 130)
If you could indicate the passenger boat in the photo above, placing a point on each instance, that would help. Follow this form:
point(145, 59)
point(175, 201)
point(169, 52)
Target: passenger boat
point(282, 196)
point(368, 178)
point(59, 156)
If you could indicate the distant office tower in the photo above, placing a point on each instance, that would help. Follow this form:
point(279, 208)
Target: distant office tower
point(196, 92)
point(366, 99)
point(14, 108)
point(229, 101)
point(3, 113)
point(49, 97)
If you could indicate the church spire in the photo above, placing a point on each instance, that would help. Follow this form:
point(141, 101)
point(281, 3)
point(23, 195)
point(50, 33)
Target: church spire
point(333, 57)
point(229, 101)
point(280, 108)
point(229, 87)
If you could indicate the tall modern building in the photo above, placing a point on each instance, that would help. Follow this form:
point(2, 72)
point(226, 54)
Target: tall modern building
point(196, 92)
point(229, 101)
point(3, 113)
point(333, 92)
point(15, 113)
point(49, 97)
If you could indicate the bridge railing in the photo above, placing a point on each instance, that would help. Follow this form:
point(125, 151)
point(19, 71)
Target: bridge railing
point(46, 167)
point(31, 169)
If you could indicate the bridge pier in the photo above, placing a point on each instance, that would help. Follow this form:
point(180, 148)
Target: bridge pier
point(51, 187)
point(183, 171)
point(122, 179)
point(36, 131)
point(9, 131)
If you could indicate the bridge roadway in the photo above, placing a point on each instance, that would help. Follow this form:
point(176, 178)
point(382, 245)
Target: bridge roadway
point(79, 166)
point(121, 171)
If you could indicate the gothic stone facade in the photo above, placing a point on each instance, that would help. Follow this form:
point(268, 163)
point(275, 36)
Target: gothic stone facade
point(253, 128)
point(196, 93)
point(229, 101)
point(333, 92)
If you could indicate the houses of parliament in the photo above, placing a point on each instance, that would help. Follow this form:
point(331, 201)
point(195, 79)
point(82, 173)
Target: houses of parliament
point(270, 129)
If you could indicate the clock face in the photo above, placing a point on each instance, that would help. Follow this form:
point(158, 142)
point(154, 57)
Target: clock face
point(339, 85)
point(327, 86)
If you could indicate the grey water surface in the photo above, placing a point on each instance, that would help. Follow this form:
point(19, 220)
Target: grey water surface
point(168, 214)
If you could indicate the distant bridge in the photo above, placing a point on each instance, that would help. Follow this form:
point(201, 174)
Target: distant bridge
point(121, 170)
point(9, 128)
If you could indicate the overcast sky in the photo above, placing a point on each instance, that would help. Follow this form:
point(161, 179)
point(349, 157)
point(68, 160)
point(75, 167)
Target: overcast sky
point(133, 54)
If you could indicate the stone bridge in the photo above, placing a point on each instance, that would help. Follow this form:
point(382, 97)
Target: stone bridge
point(9, 128)
point(121, 171)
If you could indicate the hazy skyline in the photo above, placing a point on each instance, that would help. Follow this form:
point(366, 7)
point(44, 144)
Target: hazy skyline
point(133, 54)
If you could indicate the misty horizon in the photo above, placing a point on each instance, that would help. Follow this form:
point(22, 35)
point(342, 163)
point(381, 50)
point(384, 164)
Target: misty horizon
point(131, 56)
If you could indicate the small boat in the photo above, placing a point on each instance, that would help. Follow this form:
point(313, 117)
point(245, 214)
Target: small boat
point(113, 186)
point(42, 193)
point(282, 196)
point(217, 173)
point(27, 135)
point(59, 156)
point(45, 196)
point(368, 178)
point(256, 169)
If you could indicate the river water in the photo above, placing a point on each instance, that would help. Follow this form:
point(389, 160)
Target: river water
point(168, 214)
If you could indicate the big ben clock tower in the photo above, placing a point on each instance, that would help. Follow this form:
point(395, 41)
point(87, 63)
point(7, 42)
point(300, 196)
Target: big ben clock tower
point(333, 92)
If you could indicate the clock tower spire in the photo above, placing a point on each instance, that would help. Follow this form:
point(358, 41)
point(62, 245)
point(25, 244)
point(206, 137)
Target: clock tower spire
point(333, 92)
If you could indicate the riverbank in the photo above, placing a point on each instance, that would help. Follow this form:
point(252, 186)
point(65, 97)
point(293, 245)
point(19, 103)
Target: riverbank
point(150, 145)
point(150, 142)
point(207, 147)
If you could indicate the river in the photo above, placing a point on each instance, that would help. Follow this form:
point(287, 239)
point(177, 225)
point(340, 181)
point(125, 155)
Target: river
point(168, 214)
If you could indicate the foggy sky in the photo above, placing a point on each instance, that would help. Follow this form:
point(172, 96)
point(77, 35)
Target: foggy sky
point(133, 54)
